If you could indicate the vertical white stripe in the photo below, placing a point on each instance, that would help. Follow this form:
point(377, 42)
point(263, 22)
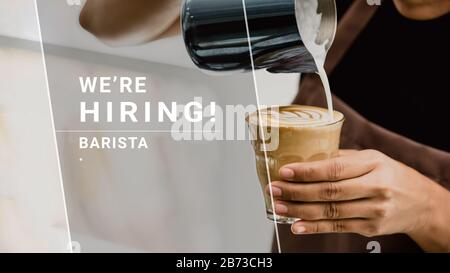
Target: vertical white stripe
point(260, 125)
point(53, 127)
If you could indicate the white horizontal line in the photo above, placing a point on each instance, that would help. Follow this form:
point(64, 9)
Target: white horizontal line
point(132, 131)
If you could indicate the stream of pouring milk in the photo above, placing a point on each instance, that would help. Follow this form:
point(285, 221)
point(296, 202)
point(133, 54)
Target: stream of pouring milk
point(308, 21)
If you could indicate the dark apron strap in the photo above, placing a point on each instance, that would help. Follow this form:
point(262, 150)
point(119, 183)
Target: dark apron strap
point(350, 26)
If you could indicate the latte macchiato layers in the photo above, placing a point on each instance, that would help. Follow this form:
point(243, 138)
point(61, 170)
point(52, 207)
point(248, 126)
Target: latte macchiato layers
point(293, 134)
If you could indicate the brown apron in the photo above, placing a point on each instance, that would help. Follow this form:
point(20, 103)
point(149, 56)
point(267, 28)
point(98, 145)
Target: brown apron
point(359, 133)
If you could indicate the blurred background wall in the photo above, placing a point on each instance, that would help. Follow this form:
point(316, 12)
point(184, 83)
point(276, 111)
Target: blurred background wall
point(32, 215)
point(229, 213)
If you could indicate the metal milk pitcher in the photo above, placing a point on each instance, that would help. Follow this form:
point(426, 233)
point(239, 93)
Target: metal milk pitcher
point(216, 36)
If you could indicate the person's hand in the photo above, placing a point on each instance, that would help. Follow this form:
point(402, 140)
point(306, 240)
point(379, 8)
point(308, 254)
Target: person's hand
point(362, 192)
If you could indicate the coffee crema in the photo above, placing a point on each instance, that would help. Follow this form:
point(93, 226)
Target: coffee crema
point(294, 116)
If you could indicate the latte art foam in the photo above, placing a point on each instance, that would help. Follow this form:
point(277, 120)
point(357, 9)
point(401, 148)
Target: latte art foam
point(296, 116)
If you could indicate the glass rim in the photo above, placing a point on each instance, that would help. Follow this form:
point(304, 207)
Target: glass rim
point(334, 122)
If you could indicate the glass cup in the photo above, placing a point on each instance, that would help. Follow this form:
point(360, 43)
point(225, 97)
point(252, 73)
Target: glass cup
point(291, 134)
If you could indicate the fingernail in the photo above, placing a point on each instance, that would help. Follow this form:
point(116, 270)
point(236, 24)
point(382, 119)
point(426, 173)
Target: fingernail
point(299, 229)
point(276, 192)
point(287, 173)
point(280, 208)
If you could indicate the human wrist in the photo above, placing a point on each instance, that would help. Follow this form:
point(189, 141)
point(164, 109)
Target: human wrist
point(431, 231)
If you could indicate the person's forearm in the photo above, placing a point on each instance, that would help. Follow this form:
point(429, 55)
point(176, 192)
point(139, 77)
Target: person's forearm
point(434, 234)
point(131, 22)
point(110, 18)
